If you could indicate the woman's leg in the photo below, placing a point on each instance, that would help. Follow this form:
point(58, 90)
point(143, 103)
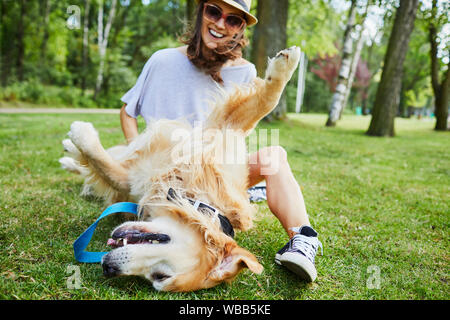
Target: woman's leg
point(284, 196)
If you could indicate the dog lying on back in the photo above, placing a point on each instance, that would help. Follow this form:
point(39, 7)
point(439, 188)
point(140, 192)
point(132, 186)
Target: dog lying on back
point(189, 202)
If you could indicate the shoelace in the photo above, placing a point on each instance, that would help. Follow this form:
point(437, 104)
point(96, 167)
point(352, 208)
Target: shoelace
point(307, 245)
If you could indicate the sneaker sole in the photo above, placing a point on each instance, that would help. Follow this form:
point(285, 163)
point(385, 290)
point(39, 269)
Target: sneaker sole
point(300, 265)
point(277, 259)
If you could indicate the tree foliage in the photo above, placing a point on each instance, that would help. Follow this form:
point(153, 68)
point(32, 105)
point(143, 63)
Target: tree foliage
point(313, 25)
point(50, 51)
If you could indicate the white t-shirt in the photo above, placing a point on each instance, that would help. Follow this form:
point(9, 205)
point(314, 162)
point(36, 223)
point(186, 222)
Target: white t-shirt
point(171, 87)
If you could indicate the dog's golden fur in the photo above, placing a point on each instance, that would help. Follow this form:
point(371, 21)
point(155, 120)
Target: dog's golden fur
point(198, 255)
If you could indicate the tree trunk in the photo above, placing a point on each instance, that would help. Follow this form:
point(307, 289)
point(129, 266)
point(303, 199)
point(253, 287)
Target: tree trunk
point(441, 102)
point(388, 92)
point(103, 42)
point(344, 71)
point(87, 7)
point(440, 90)
point(270, 37)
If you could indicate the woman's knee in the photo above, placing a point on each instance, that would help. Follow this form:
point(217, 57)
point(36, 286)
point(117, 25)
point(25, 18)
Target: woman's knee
point(273, 153)
point(271, 159)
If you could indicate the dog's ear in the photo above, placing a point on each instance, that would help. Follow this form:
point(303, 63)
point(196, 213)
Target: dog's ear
point(234, 260)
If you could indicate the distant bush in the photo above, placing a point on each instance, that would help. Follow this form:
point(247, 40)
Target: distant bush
point(316, 97)
point(8, 94)
point(111, 100)
point(35, 92)
point(30, 91)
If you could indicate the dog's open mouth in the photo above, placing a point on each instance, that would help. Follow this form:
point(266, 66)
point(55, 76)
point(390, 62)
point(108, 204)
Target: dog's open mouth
point(122, 238)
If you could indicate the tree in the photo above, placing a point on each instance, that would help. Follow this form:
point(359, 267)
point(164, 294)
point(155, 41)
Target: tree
point(440, 89)
point(103, 35)
point(270, 37)
point(388, 91)
point(344, 71)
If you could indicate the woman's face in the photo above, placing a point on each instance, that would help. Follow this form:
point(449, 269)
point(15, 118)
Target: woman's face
point(215, 33)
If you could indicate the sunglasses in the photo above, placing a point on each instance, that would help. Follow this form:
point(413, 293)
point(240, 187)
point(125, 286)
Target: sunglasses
point(214, 13)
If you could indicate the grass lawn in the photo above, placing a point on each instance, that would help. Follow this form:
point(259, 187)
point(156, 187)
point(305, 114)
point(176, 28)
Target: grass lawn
point(380, 205)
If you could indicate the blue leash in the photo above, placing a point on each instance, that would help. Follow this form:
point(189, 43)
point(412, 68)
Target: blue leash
point(82, 242)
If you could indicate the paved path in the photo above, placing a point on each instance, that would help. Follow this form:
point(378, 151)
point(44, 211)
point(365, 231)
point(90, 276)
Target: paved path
point(58, 110)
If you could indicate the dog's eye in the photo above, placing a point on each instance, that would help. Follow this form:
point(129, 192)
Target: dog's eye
point(159, 276)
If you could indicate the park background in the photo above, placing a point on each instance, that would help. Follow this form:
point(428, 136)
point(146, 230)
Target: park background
point(369, 68)
point(88, 53)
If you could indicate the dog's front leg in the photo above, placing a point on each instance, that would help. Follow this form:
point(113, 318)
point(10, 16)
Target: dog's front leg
point(85, 138)
point(248, 105)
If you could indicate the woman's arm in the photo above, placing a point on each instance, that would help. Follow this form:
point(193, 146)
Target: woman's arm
point(129, 125)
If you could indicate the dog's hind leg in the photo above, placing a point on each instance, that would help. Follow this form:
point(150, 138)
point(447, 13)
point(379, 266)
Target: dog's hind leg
point(93, 157)
point(244, 108)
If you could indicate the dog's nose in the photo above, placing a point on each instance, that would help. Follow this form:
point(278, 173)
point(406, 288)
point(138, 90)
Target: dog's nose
point(109, 267)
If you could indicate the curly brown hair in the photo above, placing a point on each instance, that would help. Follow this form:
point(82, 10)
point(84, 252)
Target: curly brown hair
point(211, 65)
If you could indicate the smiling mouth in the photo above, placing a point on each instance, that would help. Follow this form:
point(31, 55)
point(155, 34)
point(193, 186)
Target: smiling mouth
point(216, 34)
point(122, 238)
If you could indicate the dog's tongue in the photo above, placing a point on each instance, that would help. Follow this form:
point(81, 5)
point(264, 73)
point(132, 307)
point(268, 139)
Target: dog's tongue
point(122, 238)
point(111, 242)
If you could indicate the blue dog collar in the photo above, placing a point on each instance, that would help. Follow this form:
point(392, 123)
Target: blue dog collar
point(82, 242)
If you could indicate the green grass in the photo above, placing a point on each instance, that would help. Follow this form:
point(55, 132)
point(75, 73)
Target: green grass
point(380, 202)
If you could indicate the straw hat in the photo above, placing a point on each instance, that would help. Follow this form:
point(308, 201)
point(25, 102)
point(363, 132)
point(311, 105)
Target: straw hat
point(244, 6)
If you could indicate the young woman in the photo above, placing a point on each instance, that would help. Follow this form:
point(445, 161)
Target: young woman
point(178, 82)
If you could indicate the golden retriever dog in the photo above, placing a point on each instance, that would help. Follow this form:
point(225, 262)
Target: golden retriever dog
point(189, 201)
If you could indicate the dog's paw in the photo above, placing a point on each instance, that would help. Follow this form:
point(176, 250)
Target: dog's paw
point(83, 135)
point(71, 165)
point(283, 65)
point(70, 148)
